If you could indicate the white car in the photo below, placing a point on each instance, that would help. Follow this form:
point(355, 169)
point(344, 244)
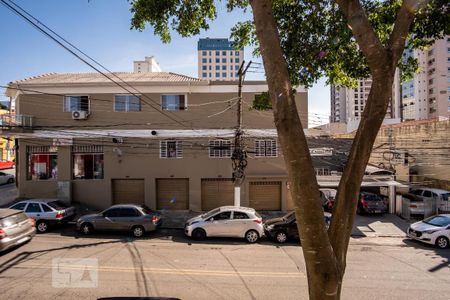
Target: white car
point(6, 178)
point(442, 196)
point(434, 230)
point(226, 221)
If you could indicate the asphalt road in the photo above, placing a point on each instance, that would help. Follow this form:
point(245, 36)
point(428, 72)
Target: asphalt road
point(167, 264)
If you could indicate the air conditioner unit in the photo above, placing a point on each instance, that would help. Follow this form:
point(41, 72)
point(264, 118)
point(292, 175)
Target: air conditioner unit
point(80, 115)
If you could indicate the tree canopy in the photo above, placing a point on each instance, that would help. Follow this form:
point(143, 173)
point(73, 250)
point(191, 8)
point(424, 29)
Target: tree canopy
point(315, 37)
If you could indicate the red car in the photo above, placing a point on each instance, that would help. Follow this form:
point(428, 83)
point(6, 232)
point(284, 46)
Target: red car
point(6, 164)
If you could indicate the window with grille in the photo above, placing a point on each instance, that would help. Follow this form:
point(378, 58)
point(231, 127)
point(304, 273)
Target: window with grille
point(173, 102)
point(127, 103)
point(76, 103)
point(87, 162)
point(219, 149)
point(42, 163)
point(171, 149)
point(266, 148)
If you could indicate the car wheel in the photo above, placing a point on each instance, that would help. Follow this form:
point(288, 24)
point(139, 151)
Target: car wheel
point(41, 226)
point(442, 242)
point(86, 228)
point(138, 231)
point(251, 236)
point(281, 237)
point(198, 234)
point(10, 180)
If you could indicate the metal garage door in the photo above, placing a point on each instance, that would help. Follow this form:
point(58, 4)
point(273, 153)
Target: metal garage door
point(217, 192)
point(128, 191)
point(172, 193)
point(265, 195)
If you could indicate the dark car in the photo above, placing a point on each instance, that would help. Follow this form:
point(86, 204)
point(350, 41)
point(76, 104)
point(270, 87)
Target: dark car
point(284, 228)
point(15, 228)
point(369, 203)
point(137, 219)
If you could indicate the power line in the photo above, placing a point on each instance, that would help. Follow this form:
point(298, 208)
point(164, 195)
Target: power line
point(79, 57)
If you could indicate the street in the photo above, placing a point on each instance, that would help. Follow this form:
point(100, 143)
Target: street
point(167, 264)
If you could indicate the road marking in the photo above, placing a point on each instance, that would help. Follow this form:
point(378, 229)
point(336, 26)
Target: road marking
point(196, 272)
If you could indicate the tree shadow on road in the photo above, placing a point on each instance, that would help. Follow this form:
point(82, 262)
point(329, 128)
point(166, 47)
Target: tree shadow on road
point(433, 252)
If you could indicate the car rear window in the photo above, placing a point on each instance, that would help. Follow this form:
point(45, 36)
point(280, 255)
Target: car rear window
point(13, 219)
point(372, 197)
point(58, 204)
point(145, 209)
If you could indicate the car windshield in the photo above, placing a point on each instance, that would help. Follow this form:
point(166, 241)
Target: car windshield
point(210, 213)
point(13, 219)
point(439, 221)
point(58, 204)
point(289, 217)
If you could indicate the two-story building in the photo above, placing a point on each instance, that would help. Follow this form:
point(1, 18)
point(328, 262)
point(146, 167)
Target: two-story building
point(157, 138)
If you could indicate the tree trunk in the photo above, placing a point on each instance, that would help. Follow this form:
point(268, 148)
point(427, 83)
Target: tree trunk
point(322, 271)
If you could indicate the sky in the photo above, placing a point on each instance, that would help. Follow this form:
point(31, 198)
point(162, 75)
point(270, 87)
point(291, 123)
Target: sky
point(101, 28)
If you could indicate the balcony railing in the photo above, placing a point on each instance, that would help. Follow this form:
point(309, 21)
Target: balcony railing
point(8, 121)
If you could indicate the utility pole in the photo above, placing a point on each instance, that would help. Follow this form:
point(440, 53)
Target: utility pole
point(239, 156)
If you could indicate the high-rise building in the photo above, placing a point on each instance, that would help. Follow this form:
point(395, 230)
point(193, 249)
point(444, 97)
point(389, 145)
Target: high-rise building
point(347, 104)
point(218, 60)
point(427, 95)
point(146, 66)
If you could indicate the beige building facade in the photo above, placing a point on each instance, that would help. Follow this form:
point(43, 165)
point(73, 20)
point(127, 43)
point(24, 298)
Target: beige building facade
point(162, 139)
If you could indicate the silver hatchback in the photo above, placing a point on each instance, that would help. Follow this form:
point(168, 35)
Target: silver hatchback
point(226, 221)
point(15, 228)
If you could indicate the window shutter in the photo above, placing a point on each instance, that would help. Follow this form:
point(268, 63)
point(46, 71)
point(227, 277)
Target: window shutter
point(179, 149)
point(163, 149)
point(182, 102)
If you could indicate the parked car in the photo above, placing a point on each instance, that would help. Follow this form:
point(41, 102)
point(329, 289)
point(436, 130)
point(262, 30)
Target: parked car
point(371, 203)
point(442, 196)
point(46, 212)
point(327, 197)
point(7, 164)
point(15, 228)
point(6, 178)
point(416, 205)
point(226, 221)
point(434, 230)
point(284, 228)
point(137, 219)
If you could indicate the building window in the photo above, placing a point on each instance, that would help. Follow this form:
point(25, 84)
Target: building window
point(171, 149)
point(224, 60)
point(224, 74)
point(236, 60)
point(210, 68)
point(322, 171)
point(76, 103)
point(217, 53)
point(87, 162)
point(231, 74)
point(224, 53)
point(231, 60)
point(219, 149)
point(236, 67)
point(204, 74)
point(217, 68)
point(203, 68)
point(224, 67)
point(204, 60)
point(203, 52)
point(217, 60)
point(173, 102)
point(236, 53)
point(42, 163)
point(217, 74)
point(127, 103)
point(266, 148)
point(209, 60)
